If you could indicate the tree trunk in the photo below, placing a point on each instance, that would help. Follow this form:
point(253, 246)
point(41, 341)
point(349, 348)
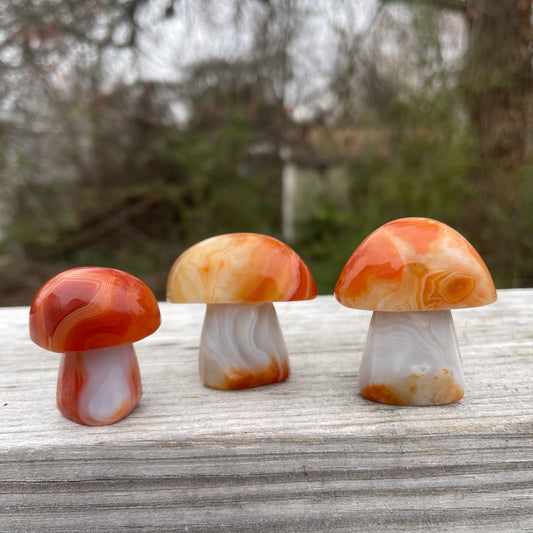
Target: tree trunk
point(496, 79)
point(496, 82)
point(496, 76)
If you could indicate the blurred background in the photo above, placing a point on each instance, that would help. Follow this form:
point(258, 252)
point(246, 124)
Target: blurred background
point(131, 129)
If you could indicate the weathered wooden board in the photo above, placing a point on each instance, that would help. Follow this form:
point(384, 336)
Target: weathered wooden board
point(306, 455)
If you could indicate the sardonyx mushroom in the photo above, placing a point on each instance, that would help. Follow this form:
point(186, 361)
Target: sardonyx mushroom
point(411, 272)
point(93, 315)
point(238, 276)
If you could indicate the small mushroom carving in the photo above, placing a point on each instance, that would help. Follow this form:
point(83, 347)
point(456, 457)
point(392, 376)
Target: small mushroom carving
point(238, 276)
point(93, 315)
point(411, 272)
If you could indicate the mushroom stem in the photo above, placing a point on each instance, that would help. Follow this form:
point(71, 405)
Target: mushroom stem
point(99, 387)
point(242, 346)
point(411, 358)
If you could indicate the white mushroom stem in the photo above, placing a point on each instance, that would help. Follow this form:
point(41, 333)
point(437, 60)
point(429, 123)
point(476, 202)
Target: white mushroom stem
point(99, 387)
point(411, 358)
point(242, 346)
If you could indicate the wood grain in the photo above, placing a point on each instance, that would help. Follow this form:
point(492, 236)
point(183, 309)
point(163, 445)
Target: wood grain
point(309, 454)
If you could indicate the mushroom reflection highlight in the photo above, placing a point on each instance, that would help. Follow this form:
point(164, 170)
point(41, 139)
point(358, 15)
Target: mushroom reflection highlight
point(238, 276)
point(411, 273)
point(93, 315)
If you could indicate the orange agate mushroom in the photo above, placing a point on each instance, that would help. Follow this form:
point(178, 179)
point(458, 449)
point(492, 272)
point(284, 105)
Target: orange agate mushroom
point(238, 276)
point(93, 315)
point(411, 272)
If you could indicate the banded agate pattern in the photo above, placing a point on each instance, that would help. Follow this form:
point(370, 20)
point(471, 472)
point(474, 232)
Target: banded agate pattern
point(239, 267)
point(92, 307)
point(99, 387)
point(411, 273)
point(238, 276)
point(412, 358)
point(415, 264)
point(242, 346)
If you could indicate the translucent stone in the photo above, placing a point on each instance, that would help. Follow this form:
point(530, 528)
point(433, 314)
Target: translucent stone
point(415, 264)
point(242, 346)
point(411, 358)
point(239, 267)
point(99, 387)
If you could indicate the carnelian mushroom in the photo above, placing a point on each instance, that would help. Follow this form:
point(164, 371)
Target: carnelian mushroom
point(411, 272)
point(93, 315)
point(238, 276)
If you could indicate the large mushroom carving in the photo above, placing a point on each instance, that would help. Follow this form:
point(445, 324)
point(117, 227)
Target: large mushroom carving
point(411, 273)
point(93, 315)
point(238, 276)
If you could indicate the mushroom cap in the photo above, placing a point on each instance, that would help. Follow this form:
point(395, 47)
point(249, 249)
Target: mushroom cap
point(415, 264)
point(87, 308)
point(237, 268)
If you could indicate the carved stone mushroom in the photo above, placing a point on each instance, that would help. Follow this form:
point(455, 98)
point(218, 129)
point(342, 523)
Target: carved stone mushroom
point(93, 315)
point(238, 276)
point(411, 272)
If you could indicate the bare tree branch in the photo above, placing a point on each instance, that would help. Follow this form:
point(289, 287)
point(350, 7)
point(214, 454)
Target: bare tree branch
point(104, 223)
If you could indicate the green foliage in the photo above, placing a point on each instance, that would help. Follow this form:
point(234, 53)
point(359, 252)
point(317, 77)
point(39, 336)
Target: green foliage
point(498, 221)
point(113, 184)
point(421, 176)
point(419, 165)
point(183, 186)
point(223, 197)
point(427, 162)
